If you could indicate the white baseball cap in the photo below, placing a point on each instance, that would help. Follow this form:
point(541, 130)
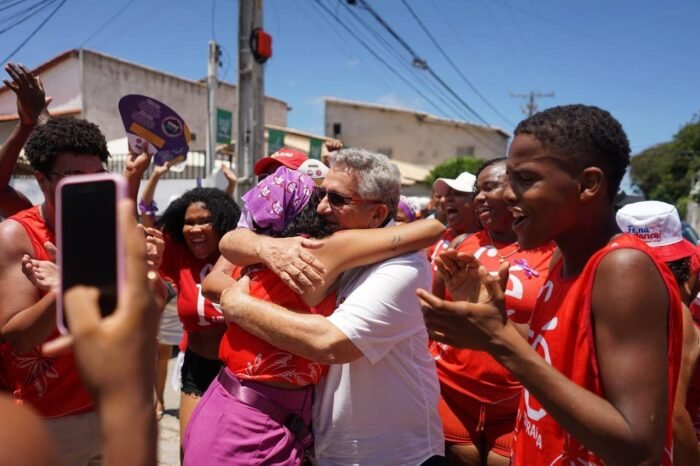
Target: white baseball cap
point(314, 169)
point(659, 225)
point(465, 182)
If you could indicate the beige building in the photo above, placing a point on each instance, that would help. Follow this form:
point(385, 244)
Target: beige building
point(89, 84)
point(410, 136)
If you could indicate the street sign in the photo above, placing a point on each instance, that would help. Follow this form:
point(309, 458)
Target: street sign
point(224, 122)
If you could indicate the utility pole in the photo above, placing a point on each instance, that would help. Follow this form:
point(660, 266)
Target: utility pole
point(212, 86)
point(250, 140)
point(530, 108)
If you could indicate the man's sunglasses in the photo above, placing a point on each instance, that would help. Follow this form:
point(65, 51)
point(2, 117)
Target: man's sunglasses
point(338, 200)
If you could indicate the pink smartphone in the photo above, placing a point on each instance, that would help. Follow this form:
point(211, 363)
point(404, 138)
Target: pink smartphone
point(88, 239)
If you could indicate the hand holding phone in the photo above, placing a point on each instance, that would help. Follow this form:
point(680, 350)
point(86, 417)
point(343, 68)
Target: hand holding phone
point(90, 246)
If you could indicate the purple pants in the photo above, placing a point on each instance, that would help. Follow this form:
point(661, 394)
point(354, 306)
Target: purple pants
point(225, 431)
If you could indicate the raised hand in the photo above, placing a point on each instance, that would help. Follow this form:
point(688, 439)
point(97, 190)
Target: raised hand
point(475, 325)
point(31, 98)
point(155, 245)
point(333, 145)
point(160, 170)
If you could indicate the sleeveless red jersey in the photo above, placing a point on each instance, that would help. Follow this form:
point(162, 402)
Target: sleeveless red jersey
point(186, 272)
point(51, 385)
point(476, 374)
point(562, 332)
point(250, 357)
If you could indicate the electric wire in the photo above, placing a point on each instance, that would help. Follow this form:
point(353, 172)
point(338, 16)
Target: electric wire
point(33, 33)
point(420, 62)
point(477, 137)
point(29, 13)
point(376, 56)
point(401, 61)
point(454, 66)
point(102, 26)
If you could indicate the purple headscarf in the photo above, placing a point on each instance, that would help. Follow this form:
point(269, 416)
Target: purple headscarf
point(407, 209)
point(276, 200)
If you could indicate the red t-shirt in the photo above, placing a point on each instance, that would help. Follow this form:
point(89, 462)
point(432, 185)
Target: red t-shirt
point(186, 272)
point(51, 385)
point(561, 331)
point(441, 245)
point(250, 357)
point(475, 374)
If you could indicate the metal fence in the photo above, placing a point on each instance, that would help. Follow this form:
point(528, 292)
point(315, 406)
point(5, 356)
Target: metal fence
point(193, 167)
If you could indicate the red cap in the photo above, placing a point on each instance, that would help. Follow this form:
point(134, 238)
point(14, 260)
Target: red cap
point(290, 158)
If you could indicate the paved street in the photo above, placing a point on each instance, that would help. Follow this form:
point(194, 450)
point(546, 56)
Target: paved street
point(169, 426)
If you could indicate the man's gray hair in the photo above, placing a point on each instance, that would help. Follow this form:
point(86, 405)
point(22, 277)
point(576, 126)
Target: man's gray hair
point(377, 177)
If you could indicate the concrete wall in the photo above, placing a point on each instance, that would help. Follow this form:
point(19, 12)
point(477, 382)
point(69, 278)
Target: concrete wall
point(61, 82)
point(106, 80)
point(411, 137)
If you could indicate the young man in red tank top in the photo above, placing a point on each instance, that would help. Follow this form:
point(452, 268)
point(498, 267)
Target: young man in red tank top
point(62, 147)
point(601, 362)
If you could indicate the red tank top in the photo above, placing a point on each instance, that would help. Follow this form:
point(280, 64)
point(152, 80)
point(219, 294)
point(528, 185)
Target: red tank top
point(250, 357)
point(186, 272)
point(475, 374)
point(561, 331)
point(51, 385)
point(692, 403)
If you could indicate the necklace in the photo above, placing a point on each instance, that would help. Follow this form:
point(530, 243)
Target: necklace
point(502, 258)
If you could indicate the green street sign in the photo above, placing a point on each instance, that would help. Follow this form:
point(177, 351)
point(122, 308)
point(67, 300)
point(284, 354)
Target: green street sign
point(275, 140)
point(224, 123)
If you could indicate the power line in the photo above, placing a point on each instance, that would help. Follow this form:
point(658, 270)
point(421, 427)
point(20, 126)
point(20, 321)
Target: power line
point(420, 62)
point(28, 14)
point(112, 18)
point(8, 6)
point(375, 55)
point(400, 59)
point(33, 33)
point(475, 135)
point(454, 66)
point(343, 46)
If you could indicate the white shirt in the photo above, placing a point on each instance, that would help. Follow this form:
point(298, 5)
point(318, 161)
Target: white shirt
point(381, 409)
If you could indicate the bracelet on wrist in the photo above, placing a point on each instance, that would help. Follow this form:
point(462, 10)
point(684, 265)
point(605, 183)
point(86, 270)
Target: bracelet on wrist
point(150, 209)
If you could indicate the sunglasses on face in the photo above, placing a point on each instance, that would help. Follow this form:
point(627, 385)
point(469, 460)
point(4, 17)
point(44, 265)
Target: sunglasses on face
point(338, 200)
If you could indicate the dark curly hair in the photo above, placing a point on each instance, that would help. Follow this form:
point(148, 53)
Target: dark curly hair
point(308, 222)
point(224, 212)
point(680, 269)
point(588, 135)
point(64, 134)
point(488, 163)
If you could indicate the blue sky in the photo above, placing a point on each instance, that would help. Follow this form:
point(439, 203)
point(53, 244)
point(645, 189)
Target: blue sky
point(636, 59)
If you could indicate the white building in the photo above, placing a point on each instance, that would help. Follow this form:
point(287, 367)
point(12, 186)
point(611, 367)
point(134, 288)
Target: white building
point(89, 84)
point(409, 135)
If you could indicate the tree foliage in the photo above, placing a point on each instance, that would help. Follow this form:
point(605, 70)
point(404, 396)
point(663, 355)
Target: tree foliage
point(452, 168)
point(667, 171)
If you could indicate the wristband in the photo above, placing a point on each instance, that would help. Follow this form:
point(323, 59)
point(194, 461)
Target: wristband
point(150, 209)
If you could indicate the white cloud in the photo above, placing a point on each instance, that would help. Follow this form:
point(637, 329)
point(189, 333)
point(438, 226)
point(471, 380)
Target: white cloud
point(392, 100)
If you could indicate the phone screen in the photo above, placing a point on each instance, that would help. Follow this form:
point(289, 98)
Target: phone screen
point(89, 239)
